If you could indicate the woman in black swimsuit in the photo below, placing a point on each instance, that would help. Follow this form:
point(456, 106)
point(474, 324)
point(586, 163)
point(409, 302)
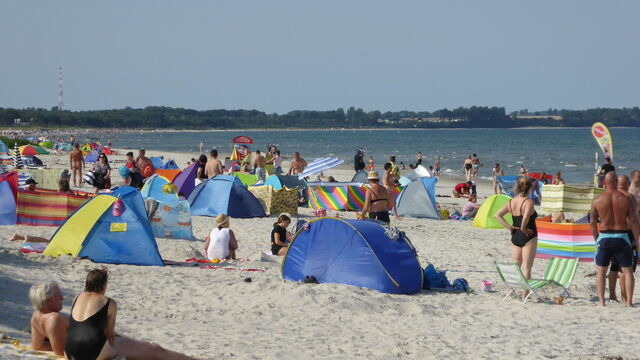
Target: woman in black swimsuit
point(523, 213)
point(378, 201)
point(91, 333)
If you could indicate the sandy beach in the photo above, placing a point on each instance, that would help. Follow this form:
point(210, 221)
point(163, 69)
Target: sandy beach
point(217, 314)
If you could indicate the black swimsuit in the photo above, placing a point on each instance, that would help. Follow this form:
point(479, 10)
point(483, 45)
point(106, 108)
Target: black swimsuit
point(531, 225)
point(379, 215)
point(85, 339)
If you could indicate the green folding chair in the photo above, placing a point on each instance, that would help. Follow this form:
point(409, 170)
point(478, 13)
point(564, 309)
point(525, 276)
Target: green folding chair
point(512, 276)
point(560, 272)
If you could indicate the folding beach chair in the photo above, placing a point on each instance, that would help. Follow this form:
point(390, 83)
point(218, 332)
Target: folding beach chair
point(560, 272)
point(512, 276)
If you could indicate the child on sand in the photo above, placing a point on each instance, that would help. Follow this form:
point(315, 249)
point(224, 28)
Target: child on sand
point(279, 235)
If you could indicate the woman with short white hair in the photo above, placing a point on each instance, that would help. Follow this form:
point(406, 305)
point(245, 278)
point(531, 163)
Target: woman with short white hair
point(48, 326)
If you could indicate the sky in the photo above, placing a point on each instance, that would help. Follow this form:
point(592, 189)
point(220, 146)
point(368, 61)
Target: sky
point(278, 56)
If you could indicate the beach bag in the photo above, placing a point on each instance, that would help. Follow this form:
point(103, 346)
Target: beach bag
point(89, 177)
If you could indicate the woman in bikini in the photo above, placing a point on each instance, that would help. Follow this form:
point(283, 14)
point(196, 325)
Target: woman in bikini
point(468, 165)
point(523, 249)
point(378, 201)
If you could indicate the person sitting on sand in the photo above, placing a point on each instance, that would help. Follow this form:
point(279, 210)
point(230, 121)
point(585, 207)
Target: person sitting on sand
point(49, 327)
point(378, 201)
point(462, 190)
point(63, 187)
point(221, 243)
point(279, 243)
point(470, 209)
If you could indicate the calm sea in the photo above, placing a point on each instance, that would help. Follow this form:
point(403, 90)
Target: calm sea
point(570, 151)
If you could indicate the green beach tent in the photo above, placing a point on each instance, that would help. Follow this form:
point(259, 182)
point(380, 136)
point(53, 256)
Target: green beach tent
point(485, 217)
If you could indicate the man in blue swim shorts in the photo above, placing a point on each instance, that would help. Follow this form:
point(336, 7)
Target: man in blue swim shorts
point(616, 213)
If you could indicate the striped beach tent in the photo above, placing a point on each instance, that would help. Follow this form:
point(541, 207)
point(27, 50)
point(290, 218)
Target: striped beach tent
point(566, 240)
point(568, 198)
point(17, 158)
point(44, 207)
point(320, 165)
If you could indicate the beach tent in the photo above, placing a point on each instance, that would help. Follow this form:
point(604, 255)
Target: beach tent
point(28, 150)
point(280, 181)
point(418, 199)
point(157, 162)
point(8, 194)
point(421, 171)
point(46, 144)
point(105, 150)
point(160, 189)
point(507, 183)
point(275, 202)
point(352, 252)
point(39, 150)
point(568, 198)
point(32, 161)
point(103, 234)
point(44, 207)
point(170, 174)
point(186, 180)
point(224, 194)
point(485, 217)
point(404, 181)
point(4, 149)
point(92, 156)
point(246, 179)
point(170, 220)
point(360, 177)
point(566, 240)
point(170, 165)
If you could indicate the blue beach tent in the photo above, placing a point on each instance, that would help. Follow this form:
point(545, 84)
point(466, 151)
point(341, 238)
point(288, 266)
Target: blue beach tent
point(418, 199)
point(3, 148)
point(353, 252)
point(8, 205)
point(157, 162)
point(92, 156)
point(103, 235)
point(224, 194)
point(155, 187)
point(170, 165)
point(507, 183)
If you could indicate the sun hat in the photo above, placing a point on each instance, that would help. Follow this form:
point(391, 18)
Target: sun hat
point(222, 219)
point(373, 175)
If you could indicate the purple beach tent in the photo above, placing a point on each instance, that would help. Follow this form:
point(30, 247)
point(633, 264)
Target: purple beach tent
point(186, 180)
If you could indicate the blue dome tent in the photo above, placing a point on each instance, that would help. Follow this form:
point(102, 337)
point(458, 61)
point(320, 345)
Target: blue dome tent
point(224, 194)
point(418, 199)
point(353, 252)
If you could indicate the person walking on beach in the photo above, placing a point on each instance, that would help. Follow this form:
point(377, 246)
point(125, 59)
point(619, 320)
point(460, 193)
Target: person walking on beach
point(436, 167)
point(214, 166)
point(467, 166)
point(371, 166)
point(259, 164)
point(395, 171)
point(297, 164)
point(76, 161)
point(378, 201)
point(614, 211)
point(604, 169)
point(201, 147)
point(102, 172)
point(358, 161)
point(495, 172)
point(476, 166)
point(524, 233)
point(277, 162)
point(419, 158)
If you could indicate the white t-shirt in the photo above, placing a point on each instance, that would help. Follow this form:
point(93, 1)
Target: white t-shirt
point(218, 244)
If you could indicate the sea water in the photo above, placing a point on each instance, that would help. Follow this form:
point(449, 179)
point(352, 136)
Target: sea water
point(568, 150)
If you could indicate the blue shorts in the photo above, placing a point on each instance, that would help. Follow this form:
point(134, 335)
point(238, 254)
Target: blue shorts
point(614, 245)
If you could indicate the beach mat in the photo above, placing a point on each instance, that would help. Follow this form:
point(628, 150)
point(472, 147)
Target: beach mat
point(12, 349)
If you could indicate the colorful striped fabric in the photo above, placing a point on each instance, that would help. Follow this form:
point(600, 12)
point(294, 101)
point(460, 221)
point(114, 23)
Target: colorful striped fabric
point(47, 207)
point(341, 197)
point(568, 198)
point(564, 240)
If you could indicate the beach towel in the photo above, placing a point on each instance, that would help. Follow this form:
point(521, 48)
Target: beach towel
point(12, 349)
point(31, 247)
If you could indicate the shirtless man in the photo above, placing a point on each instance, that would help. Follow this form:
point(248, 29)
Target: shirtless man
point(557, 180)
point(615, 211)
point(142, 162)
point(49, 328)
point(297, 164)
point(259, 164)
point(623, 187)
point(76, 161)
point(214, 166)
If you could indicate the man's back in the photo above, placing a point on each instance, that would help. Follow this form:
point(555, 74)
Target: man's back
point(612, 208)
point(213, 168)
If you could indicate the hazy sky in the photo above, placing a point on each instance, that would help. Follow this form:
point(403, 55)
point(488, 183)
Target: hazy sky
point(278, 56)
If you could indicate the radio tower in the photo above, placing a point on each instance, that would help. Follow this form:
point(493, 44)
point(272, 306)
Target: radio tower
point(60, 92)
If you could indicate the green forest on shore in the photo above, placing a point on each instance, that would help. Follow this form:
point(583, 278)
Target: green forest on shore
point(159, 117)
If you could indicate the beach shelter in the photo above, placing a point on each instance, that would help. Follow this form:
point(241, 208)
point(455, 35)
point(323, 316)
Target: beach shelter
point(17, 158)
point(40, 150)
point(352, 252)
point(28, 150)
point(418, 199)
point(507, 183)
point(186, 180)
point(246, 179)
point(8, 194)
point(170, 220)
point(280, 181)
point(46, 144)
point(169, 174)
point(160, 189)
point(44, 207)
point(101, 232)
point(3, 148)
point(157, 162)
point(224, 194)
point(485, 217)
point(170, 165)
point(92, 156)
point(360, 177)
point(568, 198)
point(566, 240)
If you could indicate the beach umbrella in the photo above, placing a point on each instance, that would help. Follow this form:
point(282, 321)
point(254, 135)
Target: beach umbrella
point(27, 150)
point(17, 159)
point(46, 144)
point(320, 165)
point(40, 150)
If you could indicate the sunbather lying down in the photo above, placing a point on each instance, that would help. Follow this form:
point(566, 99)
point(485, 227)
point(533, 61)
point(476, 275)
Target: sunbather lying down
point(28, 238)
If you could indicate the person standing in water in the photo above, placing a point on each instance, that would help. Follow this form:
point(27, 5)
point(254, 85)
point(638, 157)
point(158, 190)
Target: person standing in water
point(495, 173)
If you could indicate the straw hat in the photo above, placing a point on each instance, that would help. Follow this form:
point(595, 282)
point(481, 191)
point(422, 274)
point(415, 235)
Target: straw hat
point(222, 220)
point(373, 175)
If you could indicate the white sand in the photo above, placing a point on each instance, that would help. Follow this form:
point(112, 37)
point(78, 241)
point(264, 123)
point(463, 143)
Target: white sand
point(216, 314)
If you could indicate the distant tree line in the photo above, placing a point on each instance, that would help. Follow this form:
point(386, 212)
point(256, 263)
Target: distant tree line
point(153, 117)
